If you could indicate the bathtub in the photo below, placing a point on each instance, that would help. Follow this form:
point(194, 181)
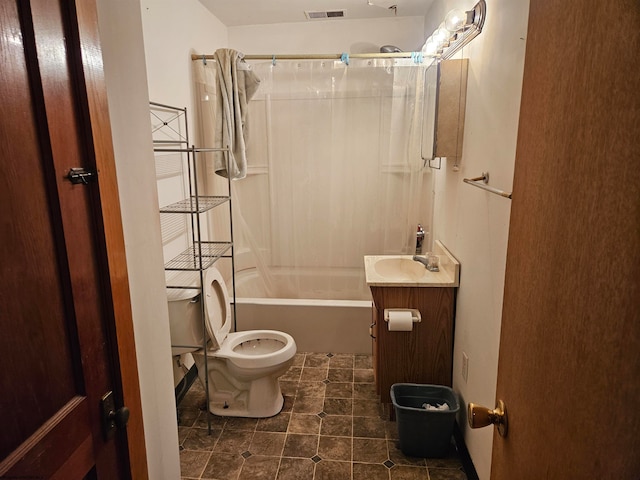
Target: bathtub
point(338, 325)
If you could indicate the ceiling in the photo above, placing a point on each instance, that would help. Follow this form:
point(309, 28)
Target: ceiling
point(255, 12)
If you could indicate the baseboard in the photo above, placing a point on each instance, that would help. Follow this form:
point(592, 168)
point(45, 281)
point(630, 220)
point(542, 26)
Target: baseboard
point(465, 458)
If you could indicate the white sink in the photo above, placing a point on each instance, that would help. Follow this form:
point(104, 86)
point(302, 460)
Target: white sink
point(399, 268)
point(403, 271)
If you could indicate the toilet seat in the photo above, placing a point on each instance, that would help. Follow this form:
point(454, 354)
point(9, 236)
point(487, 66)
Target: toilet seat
point(248, 349)
point(217, 311)
point(257, 348)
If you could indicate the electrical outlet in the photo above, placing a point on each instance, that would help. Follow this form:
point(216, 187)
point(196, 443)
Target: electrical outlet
point(465, 366)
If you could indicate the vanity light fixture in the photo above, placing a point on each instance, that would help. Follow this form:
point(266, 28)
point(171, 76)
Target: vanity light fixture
point(457, 29)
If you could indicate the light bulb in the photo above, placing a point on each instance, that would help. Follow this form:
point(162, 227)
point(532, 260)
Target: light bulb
point(441, 37)
point(430, 48)
point(455, 20)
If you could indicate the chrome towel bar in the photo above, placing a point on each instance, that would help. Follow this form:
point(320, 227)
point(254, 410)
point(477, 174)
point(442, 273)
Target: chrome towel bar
point(481, 182)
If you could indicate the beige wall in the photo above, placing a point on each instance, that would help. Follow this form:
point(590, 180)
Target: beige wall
point(331, 36)
point(172, 29)
point(124, 64)
point(472, 223)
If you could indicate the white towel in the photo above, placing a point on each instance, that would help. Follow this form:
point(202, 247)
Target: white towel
point(236, 85)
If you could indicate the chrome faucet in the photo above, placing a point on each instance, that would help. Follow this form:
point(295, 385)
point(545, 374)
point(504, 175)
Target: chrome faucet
point(419, 239)
point(420, 260)
point(430, 261)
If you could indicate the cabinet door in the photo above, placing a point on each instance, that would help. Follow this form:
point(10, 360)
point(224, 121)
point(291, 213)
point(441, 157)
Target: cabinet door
point(423, 355)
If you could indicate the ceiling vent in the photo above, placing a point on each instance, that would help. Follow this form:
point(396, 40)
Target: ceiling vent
point(319, 15)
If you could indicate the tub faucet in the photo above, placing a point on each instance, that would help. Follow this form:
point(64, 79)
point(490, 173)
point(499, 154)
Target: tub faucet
point(419, 239)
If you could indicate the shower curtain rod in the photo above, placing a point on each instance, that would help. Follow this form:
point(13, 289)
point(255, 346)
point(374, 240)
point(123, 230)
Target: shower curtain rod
point(314, 56)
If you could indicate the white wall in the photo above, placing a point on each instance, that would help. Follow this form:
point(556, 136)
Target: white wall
point(329, 36)
point(173, 30)
point(124, 64)
point(472, 223)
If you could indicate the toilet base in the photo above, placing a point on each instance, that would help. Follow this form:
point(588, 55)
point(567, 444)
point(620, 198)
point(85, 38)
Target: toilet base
point(230, 397)
point(237, 408)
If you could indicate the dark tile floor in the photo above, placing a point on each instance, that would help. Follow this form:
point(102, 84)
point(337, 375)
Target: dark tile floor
point(330, 428)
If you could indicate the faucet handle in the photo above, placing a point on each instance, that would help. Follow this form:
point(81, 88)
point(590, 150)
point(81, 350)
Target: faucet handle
point(419, 239)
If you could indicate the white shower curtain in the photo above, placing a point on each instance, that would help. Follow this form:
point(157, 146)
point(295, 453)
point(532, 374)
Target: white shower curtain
point(334, 173)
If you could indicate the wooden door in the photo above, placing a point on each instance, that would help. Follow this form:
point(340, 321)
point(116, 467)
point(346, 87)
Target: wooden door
point(569, 366)
point(58, 342)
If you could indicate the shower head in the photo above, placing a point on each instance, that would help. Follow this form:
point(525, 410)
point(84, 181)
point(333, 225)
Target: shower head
point(389, 49)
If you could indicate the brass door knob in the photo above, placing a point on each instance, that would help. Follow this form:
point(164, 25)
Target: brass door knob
point(480, 416)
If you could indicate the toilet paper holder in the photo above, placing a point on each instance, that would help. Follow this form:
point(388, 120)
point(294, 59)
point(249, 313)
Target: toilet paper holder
point(415, 313)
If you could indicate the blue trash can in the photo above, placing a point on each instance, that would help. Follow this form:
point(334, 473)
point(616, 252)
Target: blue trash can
point(423, 432)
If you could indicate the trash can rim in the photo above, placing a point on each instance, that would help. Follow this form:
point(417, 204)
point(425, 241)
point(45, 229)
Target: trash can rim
point(452, 409)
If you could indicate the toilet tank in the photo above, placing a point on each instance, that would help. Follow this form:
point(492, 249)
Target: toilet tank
point(185, 320)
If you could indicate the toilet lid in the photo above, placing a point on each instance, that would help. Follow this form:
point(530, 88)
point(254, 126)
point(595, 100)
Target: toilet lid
point(218, 311)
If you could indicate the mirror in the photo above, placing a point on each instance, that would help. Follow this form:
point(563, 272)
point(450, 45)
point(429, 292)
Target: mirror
point(445, 103)
point(429, 115)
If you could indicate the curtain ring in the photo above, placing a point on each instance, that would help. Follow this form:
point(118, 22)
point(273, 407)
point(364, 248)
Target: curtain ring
point(204, 59)
point(345, 58)
point(273, 60)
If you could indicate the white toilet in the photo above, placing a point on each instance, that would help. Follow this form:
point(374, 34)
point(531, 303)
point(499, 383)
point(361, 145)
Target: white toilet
point(243, 366)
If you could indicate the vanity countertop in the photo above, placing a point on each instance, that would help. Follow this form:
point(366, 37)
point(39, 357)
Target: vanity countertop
point(403, 271)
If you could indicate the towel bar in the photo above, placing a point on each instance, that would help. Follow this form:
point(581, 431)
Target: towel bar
point(476, 182)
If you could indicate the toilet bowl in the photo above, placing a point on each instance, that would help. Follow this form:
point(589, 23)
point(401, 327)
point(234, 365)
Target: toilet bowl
point(243, 367)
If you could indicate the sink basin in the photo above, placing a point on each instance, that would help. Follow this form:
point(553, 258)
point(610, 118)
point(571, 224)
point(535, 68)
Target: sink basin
point(403, 271)
point(399, 268)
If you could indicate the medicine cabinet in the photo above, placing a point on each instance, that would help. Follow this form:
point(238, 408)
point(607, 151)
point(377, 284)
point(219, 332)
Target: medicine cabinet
point(445, 104)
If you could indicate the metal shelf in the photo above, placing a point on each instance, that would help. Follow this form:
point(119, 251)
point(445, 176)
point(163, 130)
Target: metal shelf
point(171, 135)
point(195, 204)
point(200, 256)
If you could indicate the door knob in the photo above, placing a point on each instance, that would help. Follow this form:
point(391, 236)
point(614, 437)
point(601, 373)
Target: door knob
point(120, 417)
point(112, 418)
point(480, 416)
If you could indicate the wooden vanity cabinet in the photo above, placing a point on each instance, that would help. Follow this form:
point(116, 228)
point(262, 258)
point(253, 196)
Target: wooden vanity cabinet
point(423, 355)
